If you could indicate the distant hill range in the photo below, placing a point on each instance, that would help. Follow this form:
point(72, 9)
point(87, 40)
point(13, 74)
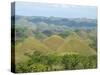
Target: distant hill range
point(85, 23)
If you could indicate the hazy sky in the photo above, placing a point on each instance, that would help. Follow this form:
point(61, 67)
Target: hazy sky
point(57, 10)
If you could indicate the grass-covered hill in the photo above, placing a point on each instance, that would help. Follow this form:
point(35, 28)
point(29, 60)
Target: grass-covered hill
point(53, 42)
point(74, 44)
point(27, 47)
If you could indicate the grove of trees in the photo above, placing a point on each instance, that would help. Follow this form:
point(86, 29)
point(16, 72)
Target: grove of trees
point(51, 62)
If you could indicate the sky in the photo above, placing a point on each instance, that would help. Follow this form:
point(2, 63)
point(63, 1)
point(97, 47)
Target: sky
point(56, 10)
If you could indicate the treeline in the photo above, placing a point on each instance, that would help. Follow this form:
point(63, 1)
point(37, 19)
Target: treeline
point(40, 62)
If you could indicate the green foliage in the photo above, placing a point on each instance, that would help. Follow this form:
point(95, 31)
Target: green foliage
point(37, 67)
point(39, 35)
point(22, 68)
point(70, 61)
point(89, 62)
point(52, 62)
point(65, 33)
point(20, 33)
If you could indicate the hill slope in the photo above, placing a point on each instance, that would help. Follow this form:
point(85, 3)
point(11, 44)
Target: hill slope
point(27, 47)
point(53, 42)
point(74, 44)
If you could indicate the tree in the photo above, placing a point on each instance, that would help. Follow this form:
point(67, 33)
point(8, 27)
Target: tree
point(70, 61)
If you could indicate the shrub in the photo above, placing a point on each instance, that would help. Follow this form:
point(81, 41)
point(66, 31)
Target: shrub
point(70, 61)
point(37, 67)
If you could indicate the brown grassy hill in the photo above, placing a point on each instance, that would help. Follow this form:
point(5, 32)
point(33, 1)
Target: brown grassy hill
point(74, 44)
point(53, 42)
point(27, 47)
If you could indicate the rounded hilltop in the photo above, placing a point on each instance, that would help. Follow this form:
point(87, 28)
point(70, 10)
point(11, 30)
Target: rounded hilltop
point(53, 41)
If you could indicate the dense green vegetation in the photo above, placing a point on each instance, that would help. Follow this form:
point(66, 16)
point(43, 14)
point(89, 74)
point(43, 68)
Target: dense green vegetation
point(52, 43)
point(51, 62)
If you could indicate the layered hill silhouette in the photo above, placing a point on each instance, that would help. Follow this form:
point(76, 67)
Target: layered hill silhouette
point(72, 44)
